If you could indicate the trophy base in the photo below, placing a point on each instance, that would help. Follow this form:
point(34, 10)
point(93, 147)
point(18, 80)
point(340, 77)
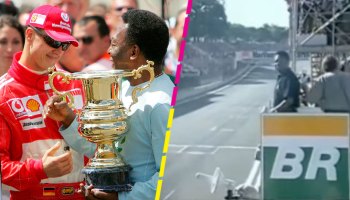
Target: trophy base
point(109, 179)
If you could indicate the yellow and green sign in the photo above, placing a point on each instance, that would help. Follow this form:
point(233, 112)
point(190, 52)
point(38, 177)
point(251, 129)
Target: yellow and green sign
point(305, 156)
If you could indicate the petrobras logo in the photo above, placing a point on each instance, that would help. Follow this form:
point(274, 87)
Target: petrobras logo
point(35, 123)
point(26, 106)
point(65, 17)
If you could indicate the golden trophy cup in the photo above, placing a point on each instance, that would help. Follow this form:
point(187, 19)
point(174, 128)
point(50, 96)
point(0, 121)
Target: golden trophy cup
point(102, 120)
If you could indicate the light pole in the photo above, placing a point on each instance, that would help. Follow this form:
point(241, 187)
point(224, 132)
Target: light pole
point(293, 25)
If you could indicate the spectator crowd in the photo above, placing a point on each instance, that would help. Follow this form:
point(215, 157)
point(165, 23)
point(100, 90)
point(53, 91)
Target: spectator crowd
point(93, 26)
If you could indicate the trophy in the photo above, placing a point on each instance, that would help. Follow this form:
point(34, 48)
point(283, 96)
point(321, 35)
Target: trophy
point(102, 120)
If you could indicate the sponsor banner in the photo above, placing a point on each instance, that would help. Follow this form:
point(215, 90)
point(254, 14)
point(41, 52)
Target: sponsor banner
point(305, 125)
point(244, 55)
point(67, 191)
point(26, 106)
point(305, 156)
point(38, 19)
point(28, 124)
point(78, 98)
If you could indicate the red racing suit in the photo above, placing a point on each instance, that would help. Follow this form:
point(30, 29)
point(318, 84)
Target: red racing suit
point(25, 136)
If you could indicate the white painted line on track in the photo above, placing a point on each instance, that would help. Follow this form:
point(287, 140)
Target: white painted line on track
point(211, 146)
point(177, 145)
point(219, 89)
point(238, 147)
point(214, 129)
point(207, 85)
point(200, 95)
point(182, 149)
point(235, 81)
point(169, 195)
point(197, 153)
point(233, 148)
point(205, 146)
point(203, 149)
point(229, 130)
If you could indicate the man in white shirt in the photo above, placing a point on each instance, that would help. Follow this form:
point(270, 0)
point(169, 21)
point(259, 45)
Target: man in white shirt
point(144, 36)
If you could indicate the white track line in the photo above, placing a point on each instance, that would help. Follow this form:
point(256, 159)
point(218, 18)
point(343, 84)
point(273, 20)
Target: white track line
point(205, 149)
point(169, 195)
point(204, 93)
point(182, 149)
point(228, 130)
point(213, 128)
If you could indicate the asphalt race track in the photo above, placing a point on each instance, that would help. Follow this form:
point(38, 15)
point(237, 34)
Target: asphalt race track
point(220, 129)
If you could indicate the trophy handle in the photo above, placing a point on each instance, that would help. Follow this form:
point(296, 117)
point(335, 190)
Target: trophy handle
point(66, 79)
point(136, 73)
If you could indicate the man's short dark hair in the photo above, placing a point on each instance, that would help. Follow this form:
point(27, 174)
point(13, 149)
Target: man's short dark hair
point(283, 54)
point(149, 32)
point(102, 26)
point(8, 8)
point(330, 63)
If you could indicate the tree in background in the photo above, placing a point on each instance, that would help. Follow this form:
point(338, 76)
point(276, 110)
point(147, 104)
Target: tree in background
point(209, 23)
point(266, 33)
point(208, 20)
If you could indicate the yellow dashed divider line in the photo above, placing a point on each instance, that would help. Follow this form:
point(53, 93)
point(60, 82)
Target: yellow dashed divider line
point(159, 189)
point(170, 119)
point(166, 142)
point(172, 110)
point(165, 150)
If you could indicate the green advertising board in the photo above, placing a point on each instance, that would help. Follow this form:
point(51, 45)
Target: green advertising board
point(305, 157)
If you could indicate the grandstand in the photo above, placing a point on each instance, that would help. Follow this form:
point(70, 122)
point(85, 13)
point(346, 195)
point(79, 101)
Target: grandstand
point(317, 28)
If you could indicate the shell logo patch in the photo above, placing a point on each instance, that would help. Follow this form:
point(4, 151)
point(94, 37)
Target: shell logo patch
point(29, 106)
point(33, 105)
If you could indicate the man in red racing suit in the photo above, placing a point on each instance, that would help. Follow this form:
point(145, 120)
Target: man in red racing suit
point(34, 163)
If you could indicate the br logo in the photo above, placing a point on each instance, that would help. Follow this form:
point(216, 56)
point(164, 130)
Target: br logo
point(291, 161)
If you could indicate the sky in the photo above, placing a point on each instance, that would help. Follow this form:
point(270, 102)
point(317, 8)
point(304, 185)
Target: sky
point(257, 12)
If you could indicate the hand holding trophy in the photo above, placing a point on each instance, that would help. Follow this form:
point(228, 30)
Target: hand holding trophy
point(103, 121)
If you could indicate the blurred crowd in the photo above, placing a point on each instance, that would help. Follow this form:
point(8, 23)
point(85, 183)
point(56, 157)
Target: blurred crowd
point(93, 27)
point(330, 91)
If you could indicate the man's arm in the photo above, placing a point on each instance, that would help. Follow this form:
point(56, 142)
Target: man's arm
point(59, 110)
point(289, 92)
point(279, 106)
point(283, 106)
point(15, 174)
point(22, 175)
point(73, 138)
point(147, 189)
